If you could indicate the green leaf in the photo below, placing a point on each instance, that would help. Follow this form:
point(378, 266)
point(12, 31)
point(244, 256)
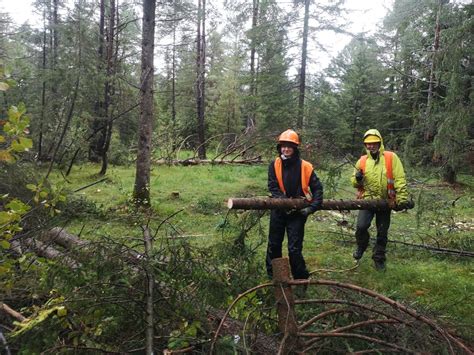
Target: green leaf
point(4, 86)
point(17, 206)
point(2, 139)
point(4, 244)
point(26, 142)
point(5, 217)
point(31, 187)
point(6, 156)
point(17, 147)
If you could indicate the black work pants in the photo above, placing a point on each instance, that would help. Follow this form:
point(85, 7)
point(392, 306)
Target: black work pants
point(293, 224)
point(382, 222)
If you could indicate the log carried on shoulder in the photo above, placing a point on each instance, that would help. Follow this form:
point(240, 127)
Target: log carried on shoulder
point(259, 203)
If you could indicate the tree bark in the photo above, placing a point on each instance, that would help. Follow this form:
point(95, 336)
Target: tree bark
point(431, 127)
point(43, 91)
point(109, 85)
point(200, 83)
point(285, 306)
point(304, 51)
point(293, 203)
point(98, 125)
point(141, 191)
point(250, 124)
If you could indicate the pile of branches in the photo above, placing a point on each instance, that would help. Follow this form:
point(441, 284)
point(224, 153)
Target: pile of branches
point(334, 317)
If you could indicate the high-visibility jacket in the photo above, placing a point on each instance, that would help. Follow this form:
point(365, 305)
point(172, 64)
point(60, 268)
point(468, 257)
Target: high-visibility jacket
point(376, 183)
point(306, 171)
point(388, 157)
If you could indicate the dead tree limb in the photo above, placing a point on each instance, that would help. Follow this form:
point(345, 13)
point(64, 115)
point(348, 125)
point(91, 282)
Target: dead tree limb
point(150, 281)
point(396, 305)
point(357, 336)
point(11, 312)
point(294, 203)
point(352, 304)
point(321, 316)
point(46, 251)
point(192, 161)
point(61, 237)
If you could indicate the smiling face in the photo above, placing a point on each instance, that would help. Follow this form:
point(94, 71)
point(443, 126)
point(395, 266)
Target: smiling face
point(287, 149)
point(373, 147)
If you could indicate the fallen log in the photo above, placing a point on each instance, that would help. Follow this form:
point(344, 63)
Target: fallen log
point(295, 203)
point(63, 238)
point(44, 250)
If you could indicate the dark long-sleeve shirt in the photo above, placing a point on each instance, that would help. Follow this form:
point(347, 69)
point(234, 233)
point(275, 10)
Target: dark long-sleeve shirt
point(292, 181)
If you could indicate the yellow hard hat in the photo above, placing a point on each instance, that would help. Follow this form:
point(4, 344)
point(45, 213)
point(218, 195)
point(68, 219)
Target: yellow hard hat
point(372, 139)
point(289, 136)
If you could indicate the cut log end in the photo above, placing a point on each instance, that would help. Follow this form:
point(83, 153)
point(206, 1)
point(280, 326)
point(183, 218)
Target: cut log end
point(230, 203)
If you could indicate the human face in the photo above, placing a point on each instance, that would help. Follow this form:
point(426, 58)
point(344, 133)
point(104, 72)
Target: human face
point(287, 150)
point(373, 147)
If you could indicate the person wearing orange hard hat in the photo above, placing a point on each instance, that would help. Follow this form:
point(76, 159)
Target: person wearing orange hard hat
point(378, 175)
point(289, 176)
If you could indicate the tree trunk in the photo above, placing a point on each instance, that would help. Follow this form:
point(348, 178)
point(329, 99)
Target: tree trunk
point(250, 124)
point(173, 73)
point(304, 50)
point(431, 126)
point(43, 92)
point(200, 83)
point(294, 203)
point(141, 190)
point(98, 126)
point(66, 125)
point(285, 306)
point(108, 89)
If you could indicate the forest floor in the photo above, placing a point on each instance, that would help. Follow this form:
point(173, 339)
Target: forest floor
point(439, 285)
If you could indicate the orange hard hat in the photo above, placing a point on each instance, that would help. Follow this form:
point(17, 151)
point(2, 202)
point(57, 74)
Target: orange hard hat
point(289, 136)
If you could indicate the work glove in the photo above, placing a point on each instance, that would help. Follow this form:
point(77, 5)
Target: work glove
point(306, 211)
point(359, 176)
point(403, 205)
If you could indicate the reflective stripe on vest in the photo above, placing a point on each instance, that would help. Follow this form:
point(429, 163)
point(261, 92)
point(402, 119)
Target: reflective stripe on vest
point(306, 171)
point(388, 157)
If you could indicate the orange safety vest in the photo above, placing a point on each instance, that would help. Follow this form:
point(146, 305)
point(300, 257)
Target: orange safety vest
point(388, 166)
point(306, 171)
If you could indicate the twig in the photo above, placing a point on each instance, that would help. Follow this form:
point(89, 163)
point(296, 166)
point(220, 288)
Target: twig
point(5, 344)
point(320, 316)
point(92, 184)
point(355, 335)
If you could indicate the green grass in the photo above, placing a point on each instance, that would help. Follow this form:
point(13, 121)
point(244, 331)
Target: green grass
point(439, 285)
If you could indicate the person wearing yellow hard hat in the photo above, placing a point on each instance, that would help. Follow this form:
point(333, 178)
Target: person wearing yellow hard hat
point(378, 175)
point(289, 176)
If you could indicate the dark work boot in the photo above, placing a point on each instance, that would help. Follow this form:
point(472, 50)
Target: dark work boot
point(357, 254)
point(300, 291)
point(379, 265)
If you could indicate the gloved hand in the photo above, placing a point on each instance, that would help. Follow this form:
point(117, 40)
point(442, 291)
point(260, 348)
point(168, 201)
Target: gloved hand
point(403, 205)
point(359, 176)
point(306, 211)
